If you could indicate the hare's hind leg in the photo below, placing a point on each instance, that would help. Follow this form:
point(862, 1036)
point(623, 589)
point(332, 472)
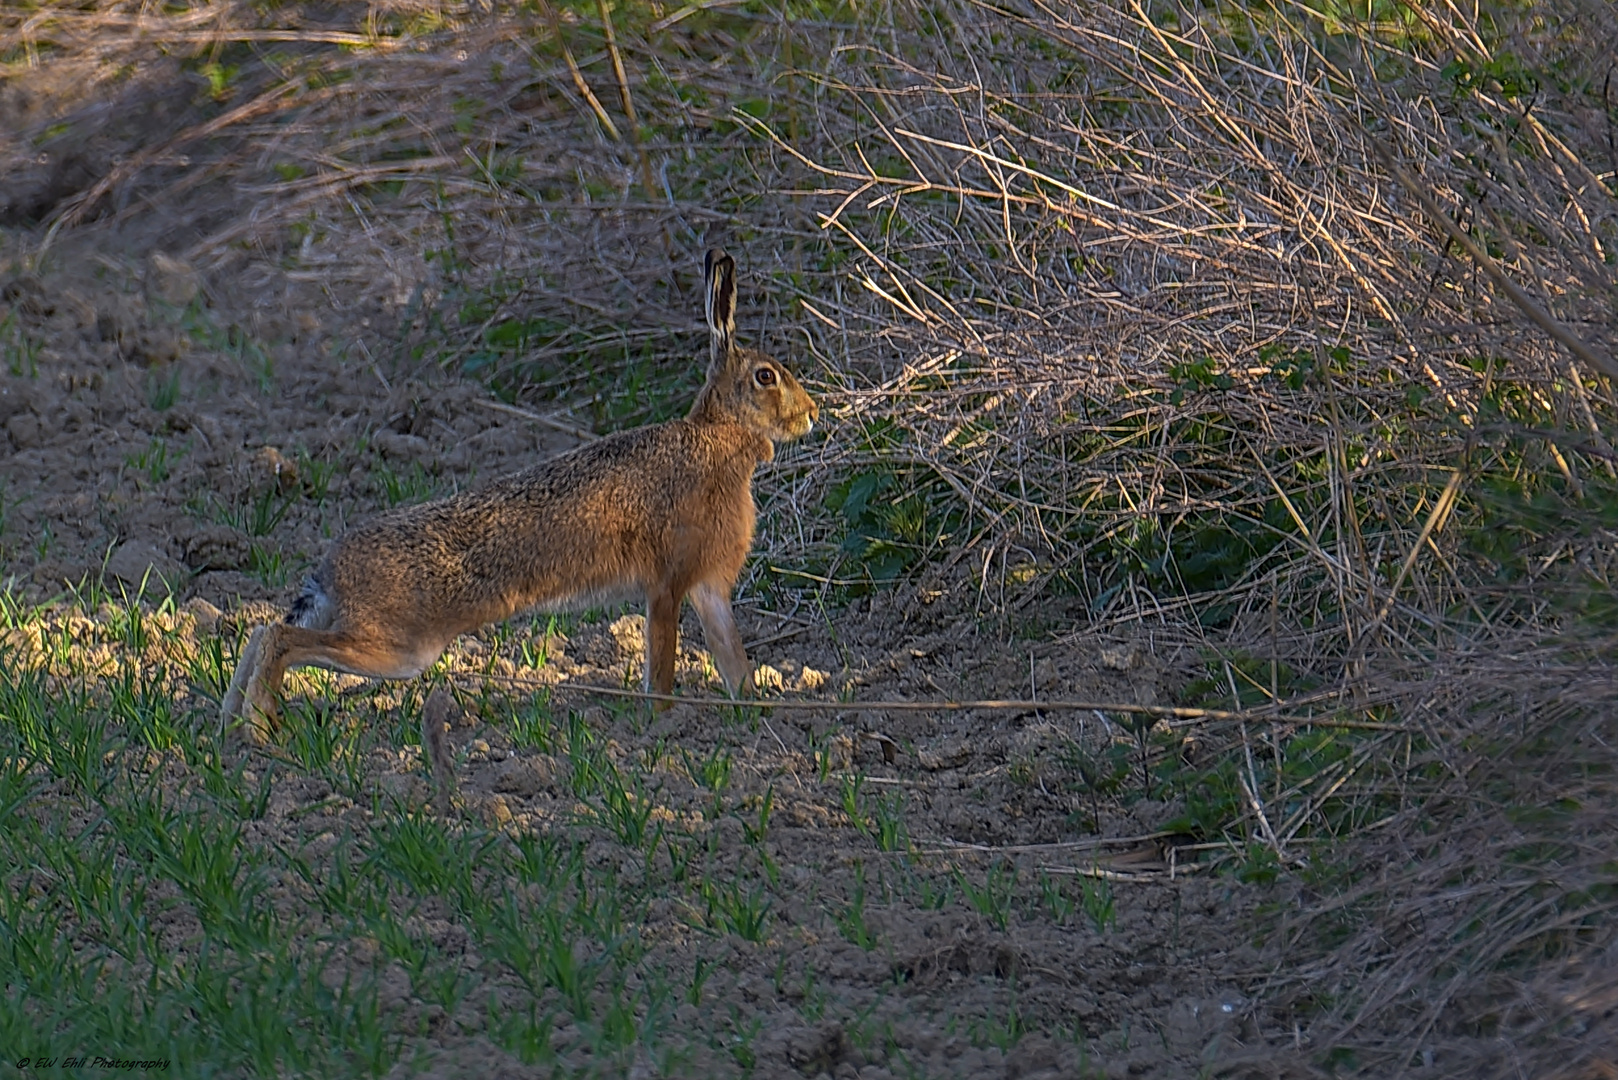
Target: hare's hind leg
point(724, 640)
point(285, 646)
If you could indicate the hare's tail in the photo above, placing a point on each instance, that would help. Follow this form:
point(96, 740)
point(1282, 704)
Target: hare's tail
point(313, 607)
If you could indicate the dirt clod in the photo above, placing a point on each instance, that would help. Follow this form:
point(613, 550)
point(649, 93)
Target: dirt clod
point(137, 563)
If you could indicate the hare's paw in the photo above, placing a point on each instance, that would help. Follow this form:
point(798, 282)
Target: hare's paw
point(246, 733)
point(251, 712)
point(249, 727)
point(261, 714)
point(231, 707)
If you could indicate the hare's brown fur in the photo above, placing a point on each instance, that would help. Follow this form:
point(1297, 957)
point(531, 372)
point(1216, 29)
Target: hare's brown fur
point(664, 511)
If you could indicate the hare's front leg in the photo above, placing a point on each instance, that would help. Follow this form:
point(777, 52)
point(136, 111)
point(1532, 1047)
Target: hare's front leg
point(662, 643)
point(724, 640)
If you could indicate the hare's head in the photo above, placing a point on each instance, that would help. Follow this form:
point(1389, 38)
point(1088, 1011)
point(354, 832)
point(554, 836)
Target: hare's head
point(744, 385)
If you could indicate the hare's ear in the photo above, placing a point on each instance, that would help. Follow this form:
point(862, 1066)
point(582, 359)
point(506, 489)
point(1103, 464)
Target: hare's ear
point(719, 275)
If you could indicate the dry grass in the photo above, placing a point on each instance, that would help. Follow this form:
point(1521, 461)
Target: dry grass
point(1113, 304)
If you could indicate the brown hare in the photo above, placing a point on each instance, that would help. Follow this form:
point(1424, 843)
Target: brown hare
point(664, 511)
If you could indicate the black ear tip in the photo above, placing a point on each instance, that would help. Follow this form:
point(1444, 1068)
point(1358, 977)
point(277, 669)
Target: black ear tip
point(716, 260)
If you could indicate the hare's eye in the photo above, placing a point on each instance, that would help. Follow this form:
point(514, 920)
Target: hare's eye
point(764, 377)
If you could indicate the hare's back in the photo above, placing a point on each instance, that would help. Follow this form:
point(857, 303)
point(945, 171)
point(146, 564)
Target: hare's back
point(597, 512)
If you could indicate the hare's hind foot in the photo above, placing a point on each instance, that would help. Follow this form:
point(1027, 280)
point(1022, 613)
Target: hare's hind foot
point(242, 712)
point(231, 704)
point(261, 712)
point(252, 702)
